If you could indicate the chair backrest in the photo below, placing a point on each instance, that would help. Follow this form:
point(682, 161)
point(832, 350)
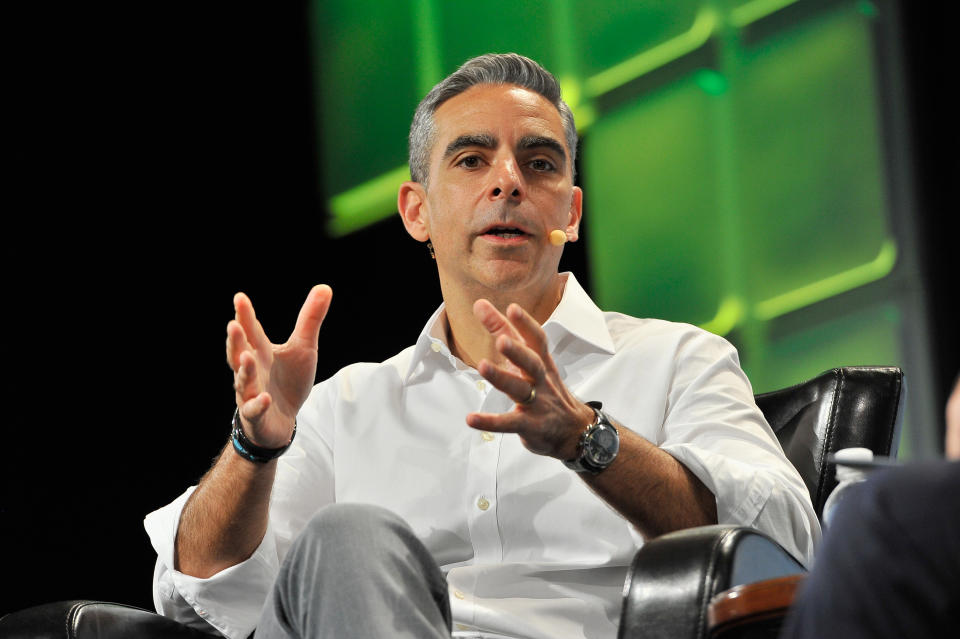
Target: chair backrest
point(841, 408)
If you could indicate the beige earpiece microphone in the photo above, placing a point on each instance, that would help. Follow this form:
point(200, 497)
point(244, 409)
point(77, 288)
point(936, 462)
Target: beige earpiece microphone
point(558, 237)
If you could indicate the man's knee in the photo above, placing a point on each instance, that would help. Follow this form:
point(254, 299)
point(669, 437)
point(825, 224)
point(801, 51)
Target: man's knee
point(334, 518)
point(356, 526)
point(349, 553)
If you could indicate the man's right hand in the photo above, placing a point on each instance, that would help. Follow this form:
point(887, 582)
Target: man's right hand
point(272, 381)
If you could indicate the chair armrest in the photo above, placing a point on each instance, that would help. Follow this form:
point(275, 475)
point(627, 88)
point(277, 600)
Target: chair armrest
point(92, 620)
point(753, 610)
point(673, 578)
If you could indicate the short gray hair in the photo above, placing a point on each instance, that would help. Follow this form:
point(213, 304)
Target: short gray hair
point(492, 68)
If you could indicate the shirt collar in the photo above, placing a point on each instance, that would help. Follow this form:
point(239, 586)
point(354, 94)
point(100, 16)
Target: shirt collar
point(431, 341)
point(576, 315)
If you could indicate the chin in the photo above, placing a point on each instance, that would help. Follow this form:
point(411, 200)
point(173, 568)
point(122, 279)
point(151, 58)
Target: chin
point(507, 276)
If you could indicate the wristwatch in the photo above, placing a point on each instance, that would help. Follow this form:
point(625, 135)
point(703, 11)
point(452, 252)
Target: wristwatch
point(598, 445)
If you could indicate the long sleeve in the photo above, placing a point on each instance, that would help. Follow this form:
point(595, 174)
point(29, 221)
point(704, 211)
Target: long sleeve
point(715, 429)
point(230, 601)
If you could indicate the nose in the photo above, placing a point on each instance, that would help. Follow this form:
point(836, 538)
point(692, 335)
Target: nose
point(507, 182)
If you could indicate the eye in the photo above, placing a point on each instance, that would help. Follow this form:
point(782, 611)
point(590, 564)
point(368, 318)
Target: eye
point(470, 162)
point(541, 165)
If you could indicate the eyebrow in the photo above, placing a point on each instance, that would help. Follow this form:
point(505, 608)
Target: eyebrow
point(540, 141)
point(487, 141)
point(482, 140)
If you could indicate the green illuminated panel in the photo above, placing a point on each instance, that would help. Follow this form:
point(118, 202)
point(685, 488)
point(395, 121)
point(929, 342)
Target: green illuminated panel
point(468, 29)
point(859, 337)
point(612, 31)
point(808, 158)
point(650, 185)
point(365, 102)
point(748, 11)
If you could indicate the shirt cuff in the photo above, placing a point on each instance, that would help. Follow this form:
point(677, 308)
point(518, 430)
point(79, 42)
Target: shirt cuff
point(769, 499)
point(230, 600)
point(742, 489)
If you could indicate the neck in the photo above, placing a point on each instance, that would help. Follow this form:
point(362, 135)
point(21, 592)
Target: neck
point(468, 339)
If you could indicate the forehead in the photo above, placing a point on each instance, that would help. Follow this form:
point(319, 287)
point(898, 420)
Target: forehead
point(506, 111)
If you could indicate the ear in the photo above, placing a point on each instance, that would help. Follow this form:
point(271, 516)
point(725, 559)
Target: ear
point(576, 213)
point(411, 202)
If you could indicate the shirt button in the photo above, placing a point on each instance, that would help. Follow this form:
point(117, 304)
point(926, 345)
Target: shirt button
point(487, 437)
point(435, 346)
point(482, 503)
point(460, 626)
point(459, 595)
point(481, 385)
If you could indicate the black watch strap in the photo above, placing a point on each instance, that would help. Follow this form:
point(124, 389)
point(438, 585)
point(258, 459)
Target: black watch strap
point(250, 451)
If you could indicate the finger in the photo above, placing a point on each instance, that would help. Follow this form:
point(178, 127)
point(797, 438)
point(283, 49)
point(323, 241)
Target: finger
point(236, 344)
point(523, 357)
point(493, 320)
point(253, 409)
point(512, 422)
point(248, 321)
point(247, 380)
point(528, 327)
point(311, 315)
point(514, 386)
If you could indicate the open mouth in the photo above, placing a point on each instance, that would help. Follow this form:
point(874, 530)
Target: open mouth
point(506, 232)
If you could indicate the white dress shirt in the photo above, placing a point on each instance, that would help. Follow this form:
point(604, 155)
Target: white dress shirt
point(528, 549)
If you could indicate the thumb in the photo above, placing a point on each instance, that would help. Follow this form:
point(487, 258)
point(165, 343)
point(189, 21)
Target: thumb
point(494, 321)
point(311, 315)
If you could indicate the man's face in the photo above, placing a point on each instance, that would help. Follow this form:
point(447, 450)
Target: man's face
point(500, 181)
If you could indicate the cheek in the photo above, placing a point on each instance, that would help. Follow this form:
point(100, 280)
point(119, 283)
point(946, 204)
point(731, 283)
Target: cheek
point(446, 204)
point(439, 223)
point(558, 199)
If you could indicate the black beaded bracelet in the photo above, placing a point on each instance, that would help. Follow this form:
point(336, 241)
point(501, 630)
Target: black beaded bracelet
point(250, 451)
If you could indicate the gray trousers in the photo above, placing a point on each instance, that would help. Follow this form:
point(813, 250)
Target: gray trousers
point(357, 571)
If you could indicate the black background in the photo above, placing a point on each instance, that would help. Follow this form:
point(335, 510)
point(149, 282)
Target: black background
point(165, 160)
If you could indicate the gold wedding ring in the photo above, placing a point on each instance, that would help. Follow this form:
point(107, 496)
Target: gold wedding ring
point(532, 396)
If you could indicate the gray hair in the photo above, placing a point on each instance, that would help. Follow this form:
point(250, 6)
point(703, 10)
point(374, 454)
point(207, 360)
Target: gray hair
point(492, 68)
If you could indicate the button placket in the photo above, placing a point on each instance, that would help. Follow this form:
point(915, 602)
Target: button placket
point(482, 480)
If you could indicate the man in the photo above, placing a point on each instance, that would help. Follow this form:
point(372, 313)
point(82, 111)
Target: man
point(466, 482)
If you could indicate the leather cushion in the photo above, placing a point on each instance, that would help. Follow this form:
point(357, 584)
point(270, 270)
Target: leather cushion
point(92, 620)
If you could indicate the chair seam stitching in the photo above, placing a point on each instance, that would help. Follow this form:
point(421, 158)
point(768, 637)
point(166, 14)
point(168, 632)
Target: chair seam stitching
point(70, 616)
point(893, 419)
point(828, 440)
point(707, 576)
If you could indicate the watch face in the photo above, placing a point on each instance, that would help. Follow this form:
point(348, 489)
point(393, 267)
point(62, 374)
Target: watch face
point(602, 445)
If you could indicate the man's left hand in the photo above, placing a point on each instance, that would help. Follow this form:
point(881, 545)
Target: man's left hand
point(547, 417)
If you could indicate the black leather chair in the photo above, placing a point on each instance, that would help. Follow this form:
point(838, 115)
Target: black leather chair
point(673, 577)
